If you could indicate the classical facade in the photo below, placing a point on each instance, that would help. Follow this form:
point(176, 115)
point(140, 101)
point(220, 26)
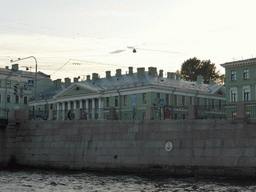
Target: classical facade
point(241, 85)
point(129, 95)
point(17, 87)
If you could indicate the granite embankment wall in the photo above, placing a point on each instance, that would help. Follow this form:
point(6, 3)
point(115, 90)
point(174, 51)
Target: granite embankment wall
point(200, 147)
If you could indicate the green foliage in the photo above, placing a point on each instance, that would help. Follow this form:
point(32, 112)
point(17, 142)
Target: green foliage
point(194, 67)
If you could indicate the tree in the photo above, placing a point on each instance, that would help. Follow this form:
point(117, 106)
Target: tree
point(193, 67)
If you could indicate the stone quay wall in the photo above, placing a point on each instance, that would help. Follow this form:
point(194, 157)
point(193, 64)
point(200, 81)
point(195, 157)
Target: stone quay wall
point(200, 147)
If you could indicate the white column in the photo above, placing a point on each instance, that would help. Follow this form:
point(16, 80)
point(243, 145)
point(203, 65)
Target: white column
point(63, 111)
point(81, 104)
point(100, 108)
point(93, 109)
point(87, 105)
point(58, 111)
point(74, 105)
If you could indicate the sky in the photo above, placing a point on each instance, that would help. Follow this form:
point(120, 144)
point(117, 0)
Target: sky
point(71, 38)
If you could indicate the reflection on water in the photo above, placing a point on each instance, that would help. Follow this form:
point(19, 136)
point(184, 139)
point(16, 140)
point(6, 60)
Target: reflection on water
point(45, 180)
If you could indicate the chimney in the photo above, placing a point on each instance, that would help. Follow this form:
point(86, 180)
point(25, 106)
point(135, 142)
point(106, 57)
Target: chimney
point(161, 73)
point(130, 70)
point(200, 79)
point(108, 73)
point(141, 72)
point(211, 82)
point(118, 72)
point(88, 78)
point(178, 76)
point(67, 82)
point(57, 84)
point(171, 75)
point(15, 67)
point(75, 79)
point(95, 76)
point(152, 71)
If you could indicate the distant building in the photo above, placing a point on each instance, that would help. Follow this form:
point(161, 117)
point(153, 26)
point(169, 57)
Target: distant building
point(18, 87)
point(129, 94)
point(241, 85)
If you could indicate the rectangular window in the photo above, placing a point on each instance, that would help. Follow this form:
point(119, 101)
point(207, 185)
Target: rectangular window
point(144, 98)
point(25, 100)
point(17, 99)
point(246, 74)
point(51, 106)
point(0, 98)
point(107, 102)
point(8, 98)
point(25, 86)
point(213, 103)
point(167, 99)
point(246, 93)
point(116, 101)
point(233, 95)
point(175, 100)
point(183, 100)
point(219, 104)
point(125, 100)
point(198, 101)
point(190, 100)
point(158, 95)
point(8, 84)
point(233, 75)
point(0, 83)
point(205, 102)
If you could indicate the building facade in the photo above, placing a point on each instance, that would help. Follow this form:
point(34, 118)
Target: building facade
point(18, 87)
point(130, 94)
point(240, 85)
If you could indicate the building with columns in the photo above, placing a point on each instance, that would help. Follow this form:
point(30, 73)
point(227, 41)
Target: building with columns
point(129, 95)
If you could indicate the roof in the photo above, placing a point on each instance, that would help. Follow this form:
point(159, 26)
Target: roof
point(251, 61)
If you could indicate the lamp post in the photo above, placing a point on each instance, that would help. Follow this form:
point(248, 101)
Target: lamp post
point(19, 59)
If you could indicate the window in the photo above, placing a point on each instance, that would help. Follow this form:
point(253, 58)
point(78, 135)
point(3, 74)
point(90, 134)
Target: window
point(0, 83)
point(17, 99)
point(25, 86)
point(26, 100)
point(116, 101)
point(233, 75)
point(107, 102)
point(125, 100)
point(213, 103)
point(158, 95)
point(183, 100)
point(0, 98)
point(246, 93)
point(144, 98)
point(205, 101)
point(233, 94)
point(8, 98)
point(219, 104)
point(8, 84)
point(198, 101)
point(246, 74)
point(51, 106)
point(175, 100)
point(190, 100)
point(167, 99)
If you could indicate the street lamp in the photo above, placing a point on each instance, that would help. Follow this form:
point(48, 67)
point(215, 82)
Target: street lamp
point(19, 59)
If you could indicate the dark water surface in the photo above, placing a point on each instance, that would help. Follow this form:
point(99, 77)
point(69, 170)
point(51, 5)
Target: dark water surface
point(47, 180)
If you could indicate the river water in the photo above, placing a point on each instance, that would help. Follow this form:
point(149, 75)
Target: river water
point(47, 180)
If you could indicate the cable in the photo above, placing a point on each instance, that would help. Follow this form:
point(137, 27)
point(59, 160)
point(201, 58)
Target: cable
point(84, 61)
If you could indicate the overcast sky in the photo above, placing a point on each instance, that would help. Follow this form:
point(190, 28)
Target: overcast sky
point(73, 38)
